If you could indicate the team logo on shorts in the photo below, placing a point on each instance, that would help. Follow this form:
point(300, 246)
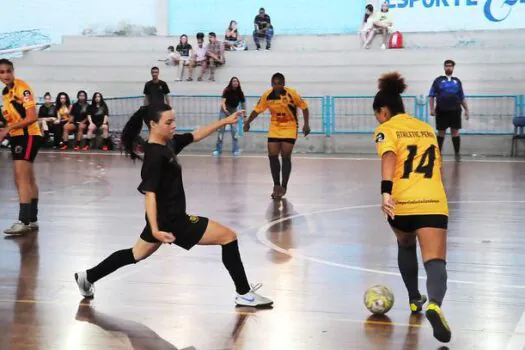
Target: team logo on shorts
point(380, 137)
point(194, 219)
point(18, 149)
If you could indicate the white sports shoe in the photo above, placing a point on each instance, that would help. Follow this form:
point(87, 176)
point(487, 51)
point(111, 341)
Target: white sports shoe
point(253, 299)
point(18, 228)
point(87, 290)
point(383, 47)
point(33, 225)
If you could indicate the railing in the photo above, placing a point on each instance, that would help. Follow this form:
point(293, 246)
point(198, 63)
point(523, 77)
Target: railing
point(333, 115)
point(13, 43)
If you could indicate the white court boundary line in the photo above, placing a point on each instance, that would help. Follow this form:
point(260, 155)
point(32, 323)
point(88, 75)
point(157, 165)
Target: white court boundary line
point(295, 156)
point(261, 237)
point(517, 339)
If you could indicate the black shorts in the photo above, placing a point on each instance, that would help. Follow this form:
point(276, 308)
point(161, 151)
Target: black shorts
point(276, 139)
point(412, 223)
point(188, 231)
point(448, 119)
point(25, 147)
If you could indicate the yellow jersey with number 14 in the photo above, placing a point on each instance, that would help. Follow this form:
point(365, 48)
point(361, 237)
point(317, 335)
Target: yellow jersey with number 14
point(418, 187)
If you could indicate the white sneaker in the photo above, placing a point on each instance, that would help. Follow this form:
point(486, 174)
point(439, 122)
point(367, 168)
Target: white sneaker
point(18, 228)
point(253, 299)
point(87, 290)
point(33, 225)
point(383, 47)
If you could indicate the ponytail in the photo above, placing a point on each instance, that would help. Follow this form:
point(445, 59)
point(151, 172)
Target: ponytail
point(132, 130)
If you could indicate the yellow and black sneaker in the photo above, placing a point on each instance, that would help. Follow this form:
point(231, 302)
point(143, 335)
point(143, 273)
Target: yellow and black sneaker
point(416, 305)
point(437, 319)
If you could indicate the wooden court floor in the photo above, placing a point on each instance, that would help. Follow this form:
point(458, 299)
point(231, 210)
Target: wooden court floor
point(316, 252)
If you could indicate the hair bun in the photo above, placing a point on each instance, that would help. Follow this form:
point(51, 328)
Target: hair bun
point(392, 83)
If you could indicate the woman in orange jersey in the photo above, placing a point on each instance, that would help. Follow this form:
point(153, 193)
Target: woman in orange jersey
point(414, 199)
point(19, 110)
point(283, 102)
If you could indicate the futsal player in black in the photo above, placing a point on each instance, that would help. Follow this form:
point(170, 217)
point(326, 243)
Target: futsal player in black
point(446, 98)
point(165, 203)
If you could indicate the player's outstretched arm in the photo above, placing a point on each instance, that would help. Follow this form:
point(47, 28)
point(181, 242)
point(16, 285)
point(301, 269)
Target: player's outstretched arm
point(207, 130)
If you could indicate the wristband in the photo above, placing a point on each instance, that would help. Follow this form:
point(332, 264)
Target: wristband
point(386, 186)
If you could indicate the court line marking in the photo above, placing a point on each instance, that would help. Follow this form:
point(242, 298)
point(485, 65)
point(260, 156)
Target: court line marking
point(517, 340)
point(261, 237)
point(295, 156)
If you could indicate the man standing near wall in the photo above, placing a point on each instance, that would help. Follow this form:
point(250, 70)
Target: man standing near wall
point(448, 91)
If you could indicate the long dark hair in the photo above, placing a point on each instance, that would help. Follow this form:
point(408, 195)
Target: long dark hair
point(102, 102)
point(369, 8)
point(230, 26)
point(391, 86)
point(132, 129)
point(230, 88)
point(57, 101)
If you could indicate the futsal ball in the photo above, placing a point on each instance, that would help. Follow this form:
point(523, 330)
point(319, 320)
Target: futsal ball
point(379, 299)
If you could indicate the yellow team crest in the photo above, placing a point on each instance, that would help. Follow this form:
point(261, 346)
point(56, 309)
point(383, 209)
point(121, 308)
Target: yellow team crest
point(194, 219)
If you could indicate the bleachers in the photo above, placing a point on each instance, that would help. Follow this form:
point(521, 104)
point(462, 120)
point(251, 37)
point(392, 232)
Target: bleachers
point(489, 63)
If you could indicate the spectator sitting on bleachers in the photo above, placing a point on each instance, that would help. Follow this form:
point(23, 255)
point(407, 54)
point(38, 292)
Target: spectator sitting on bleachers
point(47, 115)
point(98, 119)
point(63, 106)
point(382, 25)
point(78, 122)
point(232, 40)
point(263, 29)
point(367, 25)
point(173, 58)
point(199, 57)
point(215, 54)
point(184, 50)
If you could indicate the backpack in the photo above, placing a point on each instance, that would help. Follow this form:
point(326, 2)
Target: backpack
point(396, 41)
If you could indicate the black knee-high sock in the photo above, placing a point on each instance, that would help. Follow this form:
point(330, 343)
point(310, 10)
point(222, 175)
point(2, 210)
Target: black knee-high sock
point(112, 263)
point(33, 217)
point(231, 258)
point(407, 262)
point(440, 139)
point(287, 169)
point(24, 213)
point(436, 280)
point(456, 141)
point(275, 167)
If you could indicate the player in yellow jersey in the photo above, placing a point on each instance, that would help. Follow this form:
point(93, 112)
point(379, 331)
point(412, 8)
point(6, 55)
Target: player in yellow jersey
point(19, 112)
point(283, 103)
point(414, 199)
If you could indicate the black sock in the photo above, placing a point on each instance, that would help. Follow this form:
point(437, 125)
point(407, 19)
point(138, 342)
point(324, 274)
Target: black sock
point(287, 169)
point(33, 217)
point(407, 262)
point(112, 263)
point(436, 280)
point(231, 258)
point(25, 213)
point(275, 167)
point(456, 141)
point(440, 142)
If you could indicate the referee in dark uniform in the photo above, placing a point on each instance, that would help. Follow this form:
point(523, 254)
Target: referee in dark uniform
point(448, 91)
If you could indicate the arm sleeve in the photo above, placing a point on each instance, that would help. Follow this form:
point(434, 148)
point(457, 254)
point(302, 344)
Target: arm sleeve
point(385, 141)
point(262, 105)
point(460, 92)
point(181, 141)
point(299, 102)
point(145, 92)
point(433, 89)
point(151, 173)
point(165, 88)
